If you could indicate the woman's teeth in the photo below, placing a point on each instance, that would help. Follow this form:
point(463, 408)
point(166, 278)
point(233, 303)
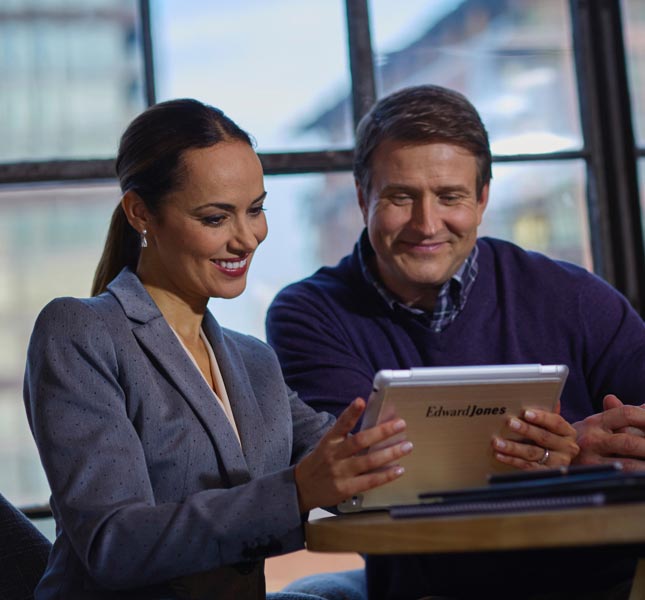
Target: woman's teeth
point(230, 264)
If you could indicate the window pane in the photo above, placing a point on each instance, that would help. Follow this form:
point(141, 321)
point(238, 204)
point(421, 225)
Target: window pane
point(71, 77)
point(273, 65)
point(313, 220)
point(512, 59)
point(634, 19)
point(541, 206)
point(50, 242)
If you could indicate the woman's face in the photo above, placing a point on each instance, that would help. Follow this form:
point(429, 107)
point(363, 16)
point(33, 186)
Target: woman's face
point(201, 243)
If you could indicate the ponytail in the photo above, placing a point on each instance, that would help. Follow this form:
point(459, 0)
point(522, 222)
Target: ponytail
point(122, 248)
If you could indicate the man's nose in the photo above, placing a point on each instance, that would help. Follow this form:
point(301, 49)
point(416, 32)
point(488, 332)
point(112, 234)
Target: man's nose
point(425, 216)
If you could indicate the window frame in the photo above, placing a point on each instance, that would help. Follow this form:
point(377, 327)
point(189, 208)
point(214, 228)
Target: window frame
point(609, 148)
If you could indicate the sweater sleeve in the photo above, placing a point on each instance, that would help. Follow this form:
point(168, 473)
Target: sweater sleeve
point(319, 356)
point(101, 485)
point(614, 337)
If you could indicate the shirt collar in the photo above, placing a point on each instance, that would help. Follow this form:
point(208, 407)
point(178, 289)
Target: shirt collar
point(452, 295)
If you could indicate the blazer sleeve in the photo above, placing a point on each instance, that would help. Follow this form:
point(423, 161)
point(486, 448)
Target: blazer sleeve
point(308, 426)
point(101, 488)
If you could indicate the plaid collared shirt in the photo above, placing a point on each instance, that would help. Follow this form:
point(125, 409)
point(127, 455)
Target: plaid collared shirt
point(452, 295)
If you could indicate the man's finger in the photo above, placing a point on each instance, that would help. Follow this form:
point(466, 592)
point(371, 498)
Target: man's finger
point(611, 401)
point(623, 416)
point(632, 464)
point(623, 445)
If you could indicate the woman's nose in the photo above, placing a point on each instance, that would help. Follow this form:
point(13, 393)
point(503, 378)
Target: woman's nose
point(246, 238)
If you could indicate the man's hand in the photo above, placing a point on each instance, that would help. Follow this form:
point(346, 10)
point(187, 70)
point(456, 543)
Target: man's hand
point(616, 434)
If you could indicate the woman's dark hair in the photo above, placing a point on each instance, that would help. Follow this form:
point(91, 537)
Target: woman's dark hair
point(150, 163)
point(423, 114)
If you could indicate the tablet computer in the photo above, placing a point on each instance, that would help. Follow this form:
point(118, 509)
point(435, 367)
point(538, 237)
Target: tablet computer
point(452, 413)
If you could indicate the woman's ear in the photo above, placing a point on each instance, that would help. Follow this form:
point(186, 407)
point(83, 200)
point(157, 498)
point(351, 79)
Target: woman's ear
point(136, 211)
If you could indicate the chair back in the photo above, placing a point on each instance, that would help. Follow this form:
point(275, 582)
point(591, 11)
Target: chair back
point(23, 554)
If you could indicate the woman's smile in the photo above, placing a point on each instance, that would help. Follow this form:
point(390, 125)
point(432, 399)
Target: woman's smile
point(234, 267)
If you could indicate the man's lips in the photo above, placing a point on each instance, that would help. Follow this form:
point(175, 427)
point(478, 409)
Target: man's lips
point(231, 266)
point(428, 247)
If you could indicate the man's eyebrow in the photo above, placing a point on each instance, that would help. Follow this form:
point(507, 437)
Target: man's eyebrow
point(398, 187)
point(442, 189)
point(452, 188)
point(230, 207)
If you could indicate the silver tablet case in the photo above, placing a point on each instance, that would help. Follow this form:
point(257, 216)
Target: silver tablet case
point(451, 414)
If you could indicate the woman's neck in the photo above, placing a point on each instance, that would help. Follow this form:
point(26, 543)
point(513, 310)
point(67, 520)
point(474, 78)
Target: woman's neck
point(183, 316)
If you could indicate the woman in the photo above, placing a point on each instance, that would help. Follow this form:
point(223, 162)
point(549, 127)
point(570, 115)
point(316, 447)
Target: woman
point(176, 456)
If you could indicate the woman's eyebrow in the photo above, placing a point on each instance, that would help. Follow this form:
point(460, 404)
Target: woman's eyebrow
point(227, 206)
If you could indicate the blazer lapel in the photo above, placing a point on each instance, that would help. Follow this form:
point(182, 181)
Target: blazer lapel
point(159, 341)
point(247, 413)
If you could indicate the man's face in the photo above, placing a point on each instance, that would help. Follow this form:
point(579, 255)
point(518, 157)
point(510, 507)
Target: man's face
point(422, 214)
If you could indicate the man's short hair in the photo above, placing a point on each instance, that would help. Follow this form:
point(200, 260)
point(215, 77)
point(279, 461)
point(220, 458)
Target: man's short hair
point(422, 114)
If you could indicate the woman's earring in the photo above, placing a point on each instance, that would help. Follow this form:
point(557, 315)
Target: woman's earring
point(144, 241)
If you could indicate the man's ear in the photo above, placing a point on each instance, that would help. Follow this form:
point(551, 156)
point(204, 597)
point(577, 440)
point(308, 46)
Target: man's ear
point(136, 211)
point(482, 203)
point(362, 201)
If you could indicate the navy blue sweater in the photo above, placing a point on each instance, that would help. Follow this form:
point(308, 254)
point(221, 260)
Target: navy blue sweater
point(333, 331)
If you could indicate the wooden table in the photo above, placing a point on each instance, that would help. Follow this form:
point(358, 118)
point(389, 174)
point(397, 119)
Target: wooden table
point(377, 533)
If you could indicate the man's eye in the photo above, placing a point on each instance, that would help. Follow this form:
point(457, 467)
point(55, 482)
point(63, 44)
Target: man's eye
point(400, 198)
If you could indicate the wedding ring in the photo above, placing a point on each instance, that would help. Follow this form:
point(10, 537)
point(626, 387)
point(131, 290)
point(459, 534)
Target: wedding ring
point(543, 460)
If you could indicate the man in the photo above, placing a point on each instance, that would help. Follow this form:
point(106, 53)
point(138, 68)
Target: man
point(420, 289)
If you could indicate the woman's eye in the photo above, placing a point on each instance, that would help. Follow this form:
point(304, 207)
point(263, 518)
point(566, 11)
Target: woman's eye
point(213, 220)
point(256, 210)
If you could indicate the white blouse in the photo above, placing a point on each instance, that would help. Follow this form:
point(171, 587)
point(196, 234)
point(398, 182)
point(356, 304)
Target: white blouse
point(222, 397)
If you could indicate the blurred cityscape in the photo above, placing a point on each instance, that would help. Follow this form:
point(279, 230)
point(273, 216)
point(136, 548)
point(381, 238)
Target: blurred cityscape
point(513, 60)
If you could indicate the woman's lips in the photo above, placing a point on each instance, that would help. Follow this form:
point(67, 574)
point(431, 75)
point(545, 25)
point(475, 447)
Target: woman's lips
point(232, 267)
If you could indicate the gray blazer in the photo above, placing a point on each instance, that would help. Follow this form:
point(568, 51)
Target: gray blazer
point(149, 483)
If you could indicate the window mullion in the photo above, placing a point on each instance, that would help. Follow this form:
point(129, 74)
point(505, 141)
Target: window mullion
point(147, 51)
point(614, 207)
point(361, 61)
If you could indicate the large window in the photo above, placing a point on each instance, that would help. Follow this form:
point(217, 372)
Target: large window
point(298, 75)
point(71, 77)
point(634, 11)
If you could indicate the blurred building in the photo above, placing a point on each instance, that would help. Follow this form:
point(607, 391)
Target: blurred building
point(70, 73)
point(71, 77)
point(513, 59)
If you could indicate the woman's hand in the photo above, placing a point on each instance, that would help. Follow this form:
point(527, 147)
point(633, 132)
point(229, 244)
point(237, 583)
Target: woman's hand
point(335, 470)
point(548, 441)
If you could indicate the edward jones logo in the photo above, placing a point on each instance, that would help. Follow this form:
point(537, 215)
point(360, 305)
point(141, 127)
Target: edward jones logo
point(472, 410)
